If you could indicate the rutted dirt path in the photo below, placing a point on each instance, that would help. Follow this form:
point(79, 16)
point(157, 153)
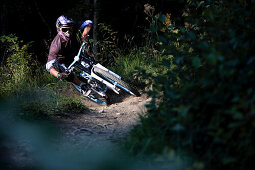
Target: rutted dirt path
point(95, 128)
point(103, 124)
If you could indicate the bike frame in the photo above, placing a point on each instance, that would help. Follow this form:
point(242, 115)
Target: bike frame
point(112, 86)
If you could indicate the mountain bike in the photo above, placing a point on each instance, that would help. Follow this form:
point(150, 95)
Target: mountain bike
point(98, 79)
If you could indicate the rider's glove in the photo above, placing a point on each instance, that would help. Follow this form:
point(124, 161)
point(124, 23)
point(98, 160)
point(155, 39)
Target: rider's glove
point(85, 38)
point(62, 76)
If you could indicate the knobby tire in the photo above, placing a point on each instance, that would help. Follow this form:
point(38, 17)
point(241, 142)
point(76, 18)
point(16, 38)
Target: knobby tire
point(115, 79)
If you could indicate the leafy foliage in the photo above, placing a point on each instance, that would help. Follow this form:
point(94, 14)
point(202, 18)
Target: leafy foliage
point(18, 61)
point(204, 107)
point(106, 45)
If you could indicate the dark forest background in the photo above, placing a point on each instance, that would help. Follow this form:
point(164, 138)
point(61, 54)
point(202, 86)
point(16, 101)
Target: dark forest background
point(34, 20)
point(194, 58)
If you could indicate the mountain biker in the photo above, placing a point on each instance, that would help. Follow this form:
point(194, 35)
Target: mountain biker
point(65, 46)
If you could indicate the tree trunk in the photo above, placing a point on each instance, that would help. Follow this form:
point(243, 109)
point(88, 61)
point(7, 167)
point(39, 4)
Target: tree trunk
point(95, 27)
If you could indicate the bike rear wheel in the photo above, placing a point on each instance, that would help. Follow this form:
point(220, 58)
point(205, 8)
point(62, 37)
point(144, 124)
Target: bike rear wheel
point(119, 83)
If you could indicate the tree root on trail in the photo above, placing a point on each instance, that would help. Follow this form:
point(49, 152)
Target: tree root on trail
point(82, 129)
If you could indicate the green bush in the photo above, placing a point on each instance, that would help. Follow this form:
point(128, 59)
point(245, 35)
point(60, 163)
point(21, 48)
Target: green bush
point(22, 77)
point(17, 65)
point(204, 107)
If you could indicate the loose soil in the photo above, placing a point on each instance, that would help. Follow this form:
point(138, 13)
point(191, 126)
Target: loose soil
point(103, 124)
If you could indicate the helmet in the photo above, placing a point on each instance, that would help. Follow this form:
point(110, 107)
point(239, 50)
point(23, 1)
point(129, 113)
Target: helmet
point(65, 27)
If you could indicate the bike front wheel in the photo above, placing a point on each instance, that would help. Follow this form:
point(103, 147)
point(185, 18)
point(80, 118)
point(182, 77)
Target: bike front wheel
point(119, 83)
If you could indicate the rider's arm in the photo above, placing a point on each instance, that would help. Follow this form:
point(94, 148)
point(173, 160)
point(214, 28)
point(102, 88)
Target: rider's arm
point(85, 28)
point(53, 53)
point(54, 72)
point(50, 68)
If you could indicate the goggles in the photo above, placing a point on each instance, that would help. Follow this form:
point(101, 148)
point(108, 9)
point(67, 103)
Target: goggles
point(66, 29)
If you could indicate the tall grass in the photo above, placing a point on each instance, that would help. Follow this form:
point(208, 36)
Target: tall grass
point(138, 62)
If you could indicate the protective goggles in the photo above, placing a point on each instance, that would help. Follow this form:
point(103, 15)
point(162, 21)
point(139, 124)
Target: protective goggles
point(66, 29)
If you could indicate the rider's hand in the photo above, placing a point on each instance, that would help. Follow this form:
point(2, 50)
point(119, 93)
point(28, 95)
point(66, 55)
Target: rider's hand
point(62, 76)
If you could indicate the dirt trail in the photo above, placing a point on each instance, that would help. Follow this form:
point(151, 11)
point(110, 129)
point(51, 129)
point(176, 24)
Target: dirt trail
point(95, 128)
point(103, 124)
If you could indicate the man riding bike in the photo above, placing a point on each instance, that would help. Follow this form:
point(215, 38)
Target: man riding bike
point(64, 47)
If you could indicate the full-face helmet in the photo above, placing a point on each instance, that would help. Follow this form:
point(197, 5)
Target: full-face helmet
point(65, 27)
